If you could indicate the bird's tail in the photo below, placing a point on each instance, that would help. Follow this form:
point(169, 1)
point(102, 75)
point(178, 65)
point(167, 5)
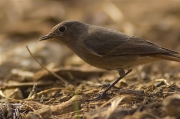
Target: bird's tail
point(172, 57)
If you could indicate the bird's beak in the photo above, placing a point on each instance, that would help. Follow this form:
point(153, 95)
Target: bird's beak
point(46, 37)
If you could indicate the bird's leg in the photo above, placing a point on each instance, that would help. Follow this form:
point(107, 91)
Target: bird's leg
point(122, 74)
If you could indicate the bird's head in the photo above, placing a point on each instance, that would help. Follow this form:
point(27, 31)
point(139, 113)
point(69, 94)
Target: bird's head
point(67, 32)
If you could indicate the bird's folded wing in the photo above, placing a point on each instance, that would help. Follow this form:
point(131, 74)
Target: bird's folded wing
point(116, 44)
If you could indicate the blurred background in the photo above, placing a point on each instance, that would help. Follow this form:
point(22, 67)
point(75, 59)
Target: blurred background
point(24, 21)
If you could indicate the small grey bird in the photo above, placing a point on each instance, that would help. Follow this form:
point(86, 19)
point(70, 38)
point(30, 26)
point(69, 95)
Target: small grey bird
point(108, 49)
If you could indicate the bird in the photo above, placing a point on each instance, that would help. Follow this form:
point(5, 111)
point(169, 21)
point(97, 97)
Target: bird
point(107, 48)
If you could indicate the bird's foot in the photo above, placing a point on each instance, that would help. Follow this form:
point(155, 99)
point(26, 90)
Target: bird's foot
point(100, 96)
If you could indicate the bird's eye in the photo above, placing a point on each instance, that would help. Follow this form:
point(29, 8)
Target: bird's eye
point(62, 29)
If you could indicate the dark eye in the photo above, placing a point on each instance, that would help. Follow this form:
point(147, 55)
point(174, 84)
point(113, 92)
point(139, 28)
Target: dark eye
point(62, 29)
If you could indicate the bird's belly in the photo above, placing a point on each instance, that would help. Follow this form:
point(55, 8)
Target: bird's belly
point(118, 62)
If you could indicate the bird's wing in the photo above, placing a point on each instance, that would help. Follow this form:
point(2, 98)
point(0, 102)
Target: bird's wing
point(116, 44)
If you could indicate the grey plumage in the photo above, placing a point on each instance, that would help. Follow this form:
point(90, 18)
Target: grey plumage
point(107, 48)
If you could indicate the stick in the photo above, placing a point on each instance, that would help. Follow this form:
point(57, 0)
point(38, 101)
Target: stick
point(54, 74)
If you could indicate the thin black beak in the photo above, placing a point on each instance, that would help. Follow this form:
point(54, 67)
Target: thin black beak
point(46, 37)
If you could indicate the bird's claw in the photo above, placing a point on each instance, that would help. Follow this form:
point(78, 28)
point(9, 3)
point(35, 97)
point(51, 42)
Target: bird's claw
point(100, 96)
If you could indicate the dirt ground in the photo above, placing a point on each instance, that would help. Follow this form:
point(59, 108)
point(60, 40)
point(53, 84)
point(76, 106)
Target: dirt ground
point(29, 91)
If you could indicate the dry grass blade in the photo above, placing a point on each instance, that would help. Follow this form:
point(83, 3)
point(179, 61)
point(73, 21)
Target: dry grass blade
point(113, 106)
point(54, 74)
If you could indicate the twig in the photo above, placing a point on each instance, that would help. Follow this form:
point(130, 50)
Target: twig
point(33, 91)
point(110, 101)
point(54, 74)
point(171, 92)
